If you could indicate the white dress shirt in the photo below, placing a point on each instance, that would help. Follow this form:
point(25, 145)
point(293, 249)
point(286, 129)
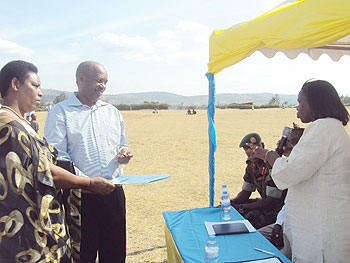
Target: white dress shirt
point(90, 137)
point(280, 216)
point(317, 175)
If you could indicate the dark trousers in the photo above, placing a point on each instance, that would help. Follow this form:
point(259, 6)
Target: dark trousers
point(260, 217)
point(103, 227)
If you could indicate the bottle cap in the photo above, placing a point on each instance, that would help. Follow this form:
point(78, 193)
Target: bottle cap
point(224, 192)
point(224, 186)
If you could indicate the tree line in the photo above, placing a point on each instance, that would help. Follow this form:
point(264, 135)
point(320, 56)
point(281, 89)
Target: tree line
point(274, 102)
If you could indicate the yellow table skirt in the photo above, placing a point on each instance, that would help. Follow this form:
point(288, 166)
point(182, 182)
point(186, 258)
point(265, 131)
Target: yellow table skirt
point(173, 254)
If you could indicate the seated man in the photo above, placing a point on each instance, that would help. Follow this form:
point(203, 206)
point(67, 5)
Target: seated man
point(260, 211)
point(274, 232)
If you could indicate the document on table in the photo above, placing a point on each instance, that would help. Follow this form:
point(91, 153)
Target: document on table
point(210, 229)
point(264, 260)
point(138, 179)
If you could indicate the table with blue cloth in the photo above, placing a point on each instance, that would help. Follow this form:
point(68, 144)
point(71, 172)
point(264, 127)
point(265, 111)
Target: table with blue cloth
point(186, 236)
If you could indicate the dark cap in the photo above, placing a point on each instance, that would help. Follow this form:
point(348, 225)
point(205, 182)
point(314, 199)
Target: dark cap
point(250, 138)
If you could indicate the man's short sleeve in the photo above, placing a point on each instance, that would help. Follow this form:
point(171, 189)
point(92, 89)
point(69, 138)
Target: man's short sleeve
point(273, 192)
point(248, 187)
point(248, 182)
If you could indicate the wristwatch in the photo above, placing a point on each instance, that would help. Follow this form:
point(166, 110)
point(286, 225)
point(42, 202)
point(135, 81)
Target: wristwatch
point(241, 209)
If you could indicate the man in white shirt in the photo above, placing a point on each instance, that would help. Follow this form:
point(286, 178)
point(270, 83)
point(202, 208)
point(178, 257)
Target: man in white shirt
point(90, 133)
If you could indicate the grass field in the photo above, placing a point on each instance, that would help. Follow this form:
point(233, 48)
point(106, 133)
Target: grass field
point(172, 142)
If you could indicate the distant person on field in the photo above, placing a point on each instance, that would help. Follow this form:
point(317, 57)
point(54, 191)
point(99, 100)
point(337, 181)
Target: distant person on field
point(194, 111)
point(33, 123)
point(189, 112)
point(260, 211)
point(28, 115)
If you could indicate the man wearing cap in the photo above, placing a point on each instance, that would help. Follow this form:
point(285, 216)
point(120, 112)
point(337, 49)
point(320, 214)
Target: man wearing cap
point(260, 211)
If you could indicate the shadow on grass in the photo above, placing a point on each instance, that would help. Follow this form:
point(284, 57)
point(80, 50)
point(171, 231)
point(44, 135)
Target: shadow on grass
point(145, 250)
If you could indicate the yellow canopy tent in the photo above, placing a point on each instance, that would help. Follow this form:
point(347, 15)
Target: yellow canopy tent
point(314, 27)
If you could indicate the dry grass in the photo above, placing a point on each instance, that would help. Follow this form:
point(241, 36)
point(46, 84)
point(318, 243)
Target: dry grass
point(177, 144)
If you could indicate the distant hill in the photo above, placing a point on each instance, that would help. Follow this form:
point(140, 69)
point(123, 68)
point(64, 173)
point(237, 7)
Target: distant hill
point(175, 99)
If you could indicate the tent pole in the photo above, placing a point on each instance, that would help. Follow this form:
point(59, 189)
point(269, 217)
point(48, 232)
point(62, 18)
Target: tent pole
point(212, 137)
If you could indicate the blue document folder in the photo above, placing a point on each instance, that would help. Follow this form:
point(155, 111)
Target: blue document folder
point(139, 179)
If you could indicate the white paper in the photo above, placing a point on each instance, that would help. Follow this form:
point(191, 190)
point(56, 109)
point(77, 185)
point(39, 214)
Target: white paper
point(210, 229)
point(265, 260)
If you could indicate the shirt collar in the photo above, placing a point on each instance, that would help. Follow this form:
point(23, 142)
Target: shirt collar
point(74, 101)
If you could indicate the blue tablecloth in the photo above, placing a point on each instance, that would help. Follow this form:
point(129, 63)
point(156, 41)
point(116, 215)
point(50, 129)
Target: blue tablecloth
point(190, 235)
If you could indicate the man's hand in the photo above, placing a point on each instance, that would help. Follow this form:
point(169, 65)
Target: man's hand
point(277, 236)
point(234, 205)
point(287, 148)
point(255, 151)
point(100, 186)
point(124, 156)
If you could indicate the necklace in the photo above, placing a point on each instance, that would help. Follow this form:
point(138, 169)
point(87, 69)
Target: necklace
point(14, 112)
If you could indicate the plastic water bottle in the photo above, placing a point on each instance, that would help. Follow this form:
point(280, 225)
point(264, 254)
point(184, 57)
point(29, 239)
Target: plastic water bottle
point(225, 205)
point(224, 188)
point(211, 250)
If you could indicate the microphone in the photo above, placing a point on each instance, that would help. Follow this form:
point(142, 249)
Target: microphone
point(285, 132)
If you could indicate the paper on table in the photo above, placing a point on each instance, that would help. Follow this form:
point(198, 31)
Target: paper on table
point(210, 230)
point(264, 260)
point(138, 179)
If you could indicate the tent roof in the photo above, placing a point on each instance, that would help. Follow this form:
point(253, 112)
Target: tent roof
point(313, 27)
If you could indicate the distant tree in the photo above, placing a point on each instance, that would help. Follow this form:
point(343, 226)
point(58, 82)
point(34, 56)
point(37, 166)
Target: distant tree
point(180, 106)
point(275, 100)
point(60, 98)
point(148, 105)
point(345, 99)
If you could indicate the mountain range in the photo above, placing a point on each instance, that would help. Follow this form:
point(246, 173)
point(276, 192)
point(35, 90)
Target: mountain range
point(175, 99)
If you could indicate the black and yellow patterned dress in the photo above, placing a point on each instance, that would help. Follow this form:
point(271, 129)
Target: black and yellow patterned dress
point(33, 224)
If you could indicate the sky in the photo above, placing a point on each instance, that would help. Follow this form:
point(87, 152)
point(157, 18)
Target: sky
point(154, 45)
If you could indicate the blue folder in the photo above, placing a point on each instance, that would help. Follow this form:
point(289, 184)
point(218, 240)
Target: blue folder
point(139, 179)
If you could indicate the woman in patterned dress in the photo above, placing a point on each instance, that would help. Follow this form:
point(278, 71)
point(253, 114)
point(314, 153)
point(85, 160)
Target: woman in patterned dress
point(34, 227)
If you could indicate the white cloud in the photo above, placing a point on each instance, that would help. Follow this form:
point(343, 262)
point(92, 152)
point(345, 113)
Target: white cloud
point(10, 48)
point(187, 40)
point(120, 41)
point(63, 57)
point(166, 34)
point(75, 45)
point(196, 31)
